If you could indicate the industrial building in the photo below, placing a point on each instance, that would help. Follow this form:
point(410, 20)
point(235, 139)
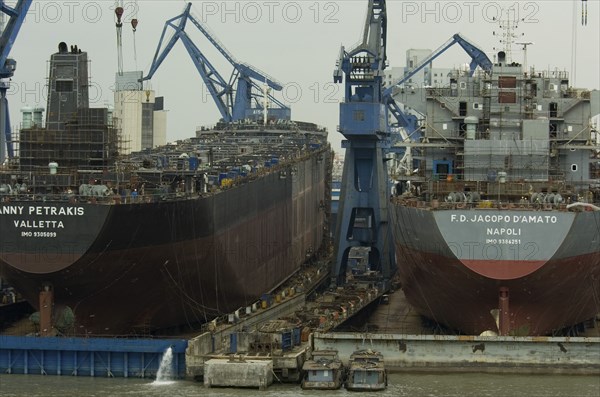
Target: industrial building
point(139, 114)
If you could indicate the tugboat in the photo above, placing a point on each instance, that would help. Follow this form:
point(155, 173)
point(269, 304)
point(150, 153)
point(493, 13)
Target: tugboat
point(366, 371)
point(324, 371)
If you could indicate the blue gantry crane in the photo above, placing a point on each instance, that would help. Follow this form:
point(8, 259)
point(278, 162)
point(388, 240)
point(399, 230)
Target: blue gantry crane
point(243, 95)
point(8, 66)
point(363, 216)
point(363, 219)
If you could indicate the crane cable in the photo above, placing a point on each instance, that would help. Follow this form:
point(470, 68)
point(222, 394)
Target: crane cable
point(119, 25)
point(134, 23)
point(574, 46)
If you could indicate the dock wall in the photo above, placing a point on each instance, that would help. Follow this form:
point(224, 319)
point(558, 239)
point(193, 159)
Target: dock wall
point(471, 353)
point(95, 357)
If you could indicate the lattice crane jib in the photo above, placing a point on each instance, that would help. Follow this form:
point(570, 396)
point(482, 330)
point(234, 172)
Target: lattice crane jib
point(237, 98)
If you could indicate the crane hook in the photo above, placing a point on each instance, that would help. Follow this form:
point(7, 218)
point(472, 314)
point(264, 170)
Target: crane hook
point(119, 13)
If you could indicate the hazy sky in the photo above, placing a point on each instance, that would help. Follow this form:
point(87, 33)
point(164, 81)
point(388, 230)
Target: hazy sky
point(297, 42)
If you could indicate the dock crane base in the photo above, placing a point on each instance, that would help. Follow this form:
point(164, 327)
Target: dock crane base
point(363, 217)
point(7, 68)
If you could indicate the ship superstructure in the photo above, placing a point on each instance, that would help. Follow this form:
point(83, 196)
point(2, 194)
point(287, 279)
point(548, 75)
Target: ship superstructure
point(511, 125)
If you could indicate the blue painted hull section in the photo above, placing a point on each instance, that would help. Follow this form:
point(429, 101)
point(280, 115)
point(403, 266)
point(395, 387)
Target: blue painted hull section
point(96, 357)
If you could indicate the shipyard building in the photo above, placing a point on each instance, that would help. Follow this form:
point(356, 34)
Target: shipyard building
point(77, 136)
point(139, 114)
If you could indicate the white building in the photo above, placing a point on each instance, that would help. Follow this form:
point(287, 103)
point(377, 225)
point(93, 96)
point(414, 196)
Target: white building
point(392, 75)
point(414, 57)
point(139, 114)
point(428, 76)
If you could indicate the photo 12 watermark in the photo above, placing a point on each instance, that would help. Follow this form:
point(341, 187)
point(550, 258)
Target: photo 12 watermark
point(79, 11)
point(37, 93)
point(293, 92)
point(268, 11)
point(66, 11)
point(468, 11)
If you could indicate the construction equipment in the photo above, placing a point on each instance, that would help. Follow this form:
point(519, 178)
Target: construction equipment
point(409, 123)
point(119, 25)
point(364, 196)
point(7, 69)
point(406, 127)
point(363, 213)
point(239, 98)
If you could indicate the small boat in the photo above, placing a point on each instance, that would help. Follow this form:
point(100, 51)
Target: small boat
point(324, 371)
point(366, 371)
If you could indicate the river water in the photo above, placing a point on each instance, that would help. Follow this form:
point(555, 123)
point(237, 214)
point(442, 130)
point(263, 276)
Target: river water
point(413, 385)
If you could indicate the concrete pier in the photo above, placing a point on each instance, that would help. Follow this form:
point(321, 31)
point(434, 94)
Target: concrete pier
point(238, 372)
point(237, 337)
point(218, 343)
point(285, 355)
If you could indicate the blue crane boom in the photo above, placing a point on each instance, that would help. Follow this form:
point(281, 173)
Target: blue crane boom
point(410, 122)
point(478, 58)
point(240, 97)
point(10, 32)
point(8, 66)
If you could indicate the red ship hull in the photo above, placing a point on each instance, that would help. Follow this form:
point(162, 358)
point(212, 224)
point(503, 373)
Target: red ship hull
point(547, 292)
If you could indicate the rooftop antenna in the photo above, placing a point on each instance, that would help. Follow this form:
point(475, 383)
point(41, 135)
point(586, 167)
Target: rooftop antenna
point(525, 44)
point(265, 102)
point(508, 34)
point(574, 45)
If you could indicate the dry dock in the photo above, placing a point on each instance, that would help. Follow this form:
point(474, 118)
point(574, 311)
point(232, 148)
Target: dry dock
point(410, 344)
point(276, 332)
point(496, 354)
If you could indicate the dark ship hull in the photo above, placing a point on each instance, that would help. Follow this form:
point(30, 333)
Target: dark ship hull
point(168, 262)
point(454, 263)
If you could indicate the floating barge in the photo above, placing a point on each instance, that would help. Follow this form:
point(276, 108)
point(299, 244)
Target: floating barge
point(324, 371)
point(366, 371)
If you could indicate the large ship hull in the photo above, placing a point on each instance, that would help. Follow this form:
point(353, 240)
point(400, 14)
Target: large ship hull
point(455, 263)
point(151, 265)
